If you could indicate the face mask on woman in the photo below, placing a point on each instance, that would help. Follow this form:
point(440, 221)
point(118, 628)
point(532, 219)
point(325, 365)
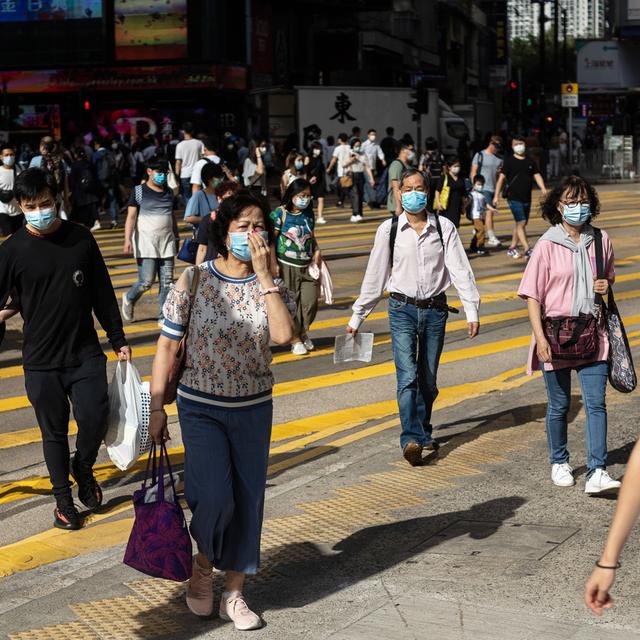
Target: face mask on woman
point(263, 149)
point(298, 164)
point(356, 149)
point(8, 160)
point(41, 219)
point(414, 201)
point(160, 179)
point(301, 202)
point(576, 214)
point(519, 149)
point(316, 152)
point(239, 246)
point(455, 170)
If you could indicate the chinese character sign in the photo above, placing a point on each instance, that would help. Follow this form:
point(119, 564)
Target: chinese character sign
point(342, 105)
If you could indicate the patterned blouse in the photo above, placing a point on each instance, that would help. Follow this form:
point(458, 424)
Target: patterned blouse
point(227, 348)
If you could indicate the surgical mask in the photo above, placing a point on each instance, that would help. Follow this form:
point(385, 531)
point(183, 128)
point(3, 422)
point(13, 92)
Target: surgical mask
point(519, 149)
point(316, 152)
point(298, 164)
point(302, 202)
point(263, 149)
point(372, 138)
point(411, 156)
point(41, 219)
point(216, 182)
point(576, 214)
point(8, 160)
point(160, 179)
point(478, 187)
point(356, 149)
point(455, 171)
point(414, 201)
point(114, 146)
point(239, 246)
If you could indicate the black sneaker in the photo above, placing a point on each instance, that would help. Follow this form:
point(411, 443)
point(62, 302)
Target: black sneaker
point(432, 446)
point(66, 515)
point(89, 491)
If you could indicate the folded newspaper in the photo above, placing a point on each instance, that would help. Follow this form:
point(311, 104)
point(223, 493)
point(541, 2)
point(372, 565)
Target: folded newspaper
point(350, 349)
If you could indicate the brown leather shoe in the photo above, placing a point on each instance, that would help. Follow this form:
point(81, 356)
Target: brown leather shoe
point(412, 453)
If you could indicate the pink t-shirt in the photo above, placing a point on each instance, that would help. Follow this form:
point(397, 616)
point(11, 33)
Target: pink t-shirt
point(548, 279)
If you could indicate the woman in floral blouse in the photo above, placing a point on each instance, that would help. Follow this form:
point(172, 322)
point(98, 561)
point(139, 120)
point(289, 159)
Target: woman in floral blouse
point(224, 398)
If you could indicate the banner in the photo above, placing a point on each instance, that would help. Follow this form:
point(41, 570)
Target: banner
point(42, 10)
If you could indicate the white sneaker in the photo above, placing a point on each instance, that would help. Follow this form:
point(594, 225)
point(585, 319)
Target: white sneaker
point(493, 242)
point(321, 221)
point(308, 343)
point(233, 608)
point(601, 482)
point(298, 349)
point(354, 219)
point(562, 475)
point(127, 309)
point(96, 226)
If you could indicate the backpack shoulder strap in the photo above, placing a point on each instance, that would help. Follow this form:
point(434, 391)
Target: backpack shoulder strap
point(138, 194)
point(439, 229)
point(393, 232)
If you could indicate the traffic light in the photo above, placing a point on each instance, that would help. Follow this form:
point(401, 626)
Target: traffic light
point(87, 105)
point(513, 85)
point(420, 102)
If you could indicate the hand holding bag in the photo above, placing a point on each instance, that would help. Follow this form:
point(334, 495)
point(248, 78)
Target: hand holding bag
point(622, 373)
point(189, 250)
point(572, 337)
point(159, 544)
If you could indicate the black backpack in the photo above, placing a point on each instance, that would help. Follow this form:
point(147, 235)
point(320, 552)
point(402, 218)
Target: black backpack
point(106, 167)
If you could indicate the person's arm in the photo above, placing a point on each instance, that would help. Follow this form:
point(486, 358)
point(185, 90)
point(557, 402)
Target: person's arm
point(129, 226)
point(260, 164)
point(105, 305)
point(462, 278)
point(201, 254)
point(498, 191)
point(535, 318)
point(540, 182)
point(331, 164)
point(176, 231)
point(178, 167)
point(381, 155)
point(367, 169)
point(375, 278)
point(596, 595)
point(192, 212)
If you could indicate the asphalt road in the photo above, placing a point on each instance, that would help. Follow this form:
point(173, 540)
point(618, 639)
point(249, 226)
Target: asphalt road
point(350, 528)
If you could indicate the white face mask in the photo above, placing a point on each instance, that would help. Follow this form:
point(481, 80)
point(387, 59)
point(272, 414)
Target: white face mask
point(455, 171)
point(519, 149)
point(316, 152)
point(372, 138)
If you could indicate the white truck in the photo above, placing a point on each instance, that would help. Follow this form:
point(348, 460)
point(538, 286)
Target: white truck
point(338, 109)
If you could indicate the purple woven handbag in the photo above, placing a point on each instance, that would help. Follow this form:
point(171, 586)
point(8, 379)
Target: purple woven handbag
point(159, 544)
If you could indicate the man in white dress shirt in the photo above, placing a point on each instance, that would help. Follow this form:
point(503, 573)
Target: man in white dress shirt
point(427, 258)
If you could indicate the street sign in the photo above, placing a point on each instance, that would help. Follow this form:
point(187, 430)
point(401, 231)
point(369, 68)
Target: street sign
point(569, 93)
point(569, 100)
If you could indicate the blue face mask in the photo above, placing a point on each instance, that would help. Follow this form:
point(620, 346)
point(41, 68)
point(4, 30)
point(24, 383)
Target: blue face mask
point(414, 201)
point(160, 179)
point(8, 160)
point(240, 244)
point(298, 164)
point(576, 214)
point(302, 202)
point(41, 219)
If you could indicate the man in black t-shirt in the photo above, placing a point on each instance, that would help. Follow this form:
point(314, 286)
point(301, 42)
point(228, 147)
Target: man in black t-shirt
point(59, 278)
point(519, 173)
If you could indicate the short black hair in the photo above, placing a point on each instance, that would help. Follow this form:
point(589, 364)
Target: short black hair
point(453, 160)
point(209, 171)
point(207, 143)
point(34, 182)
point(406, 144)
point(371, 131)
point(576, 185)
point(479, 178)
point(187, 127)
point(298, 185)
point(518, 138)
point(343, 137)
point(7, 146)
point(230, 209)
point(158, 163)
point(226, 186)
point(389, 131)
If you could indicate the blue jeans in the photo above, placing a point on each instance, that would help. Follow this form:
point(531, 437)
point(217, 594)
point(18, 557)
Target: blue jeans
point(148, 268)
point(593, 380)
point(417, 337)
point(185, 183)
point(111, 203)
point(225, 473)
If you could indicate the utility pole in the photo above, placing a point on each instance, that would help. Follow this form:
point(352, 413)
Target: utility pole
point(543, 107)
point(565, 72)
point(556, 17)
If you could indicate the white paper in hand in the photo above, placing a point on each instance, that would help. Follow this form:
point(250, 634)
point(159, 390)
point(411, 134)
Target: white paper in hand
point(350, 349)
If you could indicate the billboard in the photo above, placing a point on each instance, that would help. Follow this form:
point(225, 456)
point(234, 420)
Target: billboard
point(633, 9)
point(44, 10)
point(607, 65)
point(150, 29)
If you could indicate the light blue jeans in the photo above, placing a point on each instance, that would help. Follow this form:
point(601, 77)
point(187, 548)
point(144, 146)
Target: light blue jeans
point(148, 268)
point(593, 381)
point(417, 338)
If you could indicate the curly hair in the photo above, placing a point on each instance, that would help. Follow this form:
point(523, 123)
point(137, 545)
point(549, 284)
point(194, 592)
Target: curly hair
point(576, 187)
point(230, 210)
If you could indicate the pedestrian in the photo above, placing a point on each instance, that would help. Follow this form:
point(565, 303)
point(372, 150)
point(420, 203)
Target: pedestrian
point(51, 159)
point(203, 202)
point(57, 268)
point(389, 146)
point(296, 249)
point(416, 256)
point(151, 234)
point(560, 281)
point(294, 168)
point(488, 163)
point(104, 162)
point(451, 193)
point(479, 206)
point(341, 158)
point(317, 174)
point(432, 164)
point(596, 593)
point(518, 175)
point(85, 191)
point(11, 217)
point(225, 408)
point(361, 174)
point(397, 167)
point(375, 156)
point(253, 171)
point(206, 247)
point(210, 155)
point(188, 151)
point(555, 156)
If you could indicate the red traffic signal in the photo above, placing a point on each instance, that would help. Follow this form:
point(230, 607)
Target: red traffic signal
point(513, 85)
point(87, 105)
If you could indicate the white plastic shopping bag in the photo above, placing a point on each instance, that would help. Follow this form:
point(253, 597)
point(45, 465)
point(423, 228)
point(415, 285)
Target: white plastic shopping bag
point(127, 435)
point(322, 274)
point(349, 348)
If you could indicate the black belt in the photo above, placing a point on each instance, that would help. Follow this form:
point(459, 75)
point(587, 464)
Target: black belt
point(438, 302)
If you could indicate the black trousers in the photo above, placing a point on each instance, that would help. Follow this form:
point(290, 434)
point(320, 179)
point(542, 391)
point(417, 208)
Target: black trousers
point(357, 193)
point(49, 392)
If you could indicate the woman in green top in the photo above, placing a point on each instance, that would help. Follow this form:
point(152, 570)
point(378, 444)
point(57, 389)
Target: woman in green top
point(296, 249)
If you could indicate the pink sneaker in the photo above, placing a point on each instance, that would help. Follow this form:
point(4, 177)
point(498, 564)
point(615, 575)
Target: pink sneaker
point(200, 590)
point(233, 608)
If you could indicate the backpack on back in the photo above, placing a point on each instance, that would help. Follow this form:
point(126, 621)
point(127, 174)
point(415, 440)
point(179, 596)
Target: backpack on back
point(106, 167)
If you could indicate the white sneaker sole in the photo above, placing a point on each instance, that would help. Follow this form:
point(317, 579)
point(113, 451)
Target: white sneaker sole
point(198, 613)
point(566, 483)
point(600, 492)
point(251, 627)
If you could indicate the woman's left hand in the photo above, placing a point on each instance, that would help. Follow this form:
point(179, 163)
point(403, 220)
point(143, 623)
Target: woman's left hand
point(260, 254)
point(317, 258)
point(601, 286)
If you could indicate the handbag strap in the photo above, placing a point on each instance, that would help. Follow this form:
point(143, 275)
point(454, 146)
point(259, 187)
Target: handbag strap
point(192, 292)
point(164, 455)
point(150, 459)
point(578, 330)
